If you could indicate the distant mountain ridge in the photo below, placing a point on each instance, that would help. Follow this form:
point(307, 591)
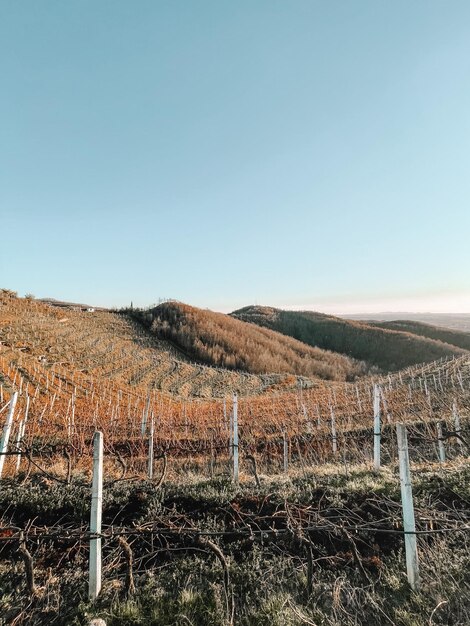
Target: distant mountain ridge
point(447, 335)
point(455, 321)
point(385, 348)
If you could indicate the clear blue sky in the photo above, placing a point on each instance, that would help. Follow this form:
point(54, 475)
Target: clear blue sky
point(230, 152)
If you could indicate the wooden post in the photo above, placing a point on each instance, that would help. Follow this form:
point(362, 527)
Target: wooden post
point(7, 431)
point(309, 425)
point(305, 415)
point(333, 431)
point(212, 460)
point(72, 418)
point(21, 432)
point(286, 451)
point(235, 439)
point(411, 549)
point(230, 435)
point(67, 417)
point(151, 436)
point(457, 428)
point(95, 517)
point(359, 404)
point(440, 443)
point(145, 415)
point(18, 445)
point(384, 405)
point(376, 427)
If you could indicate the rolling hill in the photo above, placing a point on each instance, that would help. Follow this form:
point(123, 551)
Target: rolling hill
point(453, 337)
point(223, 341)
point(385, 348)
point(189, 352)
point(112, 351)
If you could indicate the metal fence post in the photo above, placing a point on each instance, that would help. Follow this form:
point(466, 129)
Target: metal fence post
point(94, 580)
point(411, 548)
point(235, 439)
point(7, 431)
point(440, 443)
point(376, 427)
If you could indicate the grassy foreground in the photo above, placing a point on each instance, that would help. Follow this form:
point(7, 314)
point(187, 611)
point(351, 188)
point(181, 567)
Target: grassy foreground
point(303, 549)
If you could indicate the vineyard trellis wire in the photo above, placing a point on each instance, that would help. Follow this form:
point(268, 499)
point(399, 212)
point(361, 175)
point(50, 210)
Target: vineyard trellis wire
point(320, 423)
point(294, 521)
point(61, 405)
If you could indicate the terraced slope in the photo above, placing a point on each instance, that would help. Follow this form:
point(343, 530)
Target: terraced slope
point(112, 347)
point(220, 340)
point(388, 349)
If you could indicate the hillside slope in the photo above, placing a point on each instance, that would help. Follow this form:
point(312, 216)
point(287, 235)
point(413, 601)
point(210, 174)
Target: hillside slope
point(113, 351)
point(220, 340)
point(388, 349)
point(453, 337)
